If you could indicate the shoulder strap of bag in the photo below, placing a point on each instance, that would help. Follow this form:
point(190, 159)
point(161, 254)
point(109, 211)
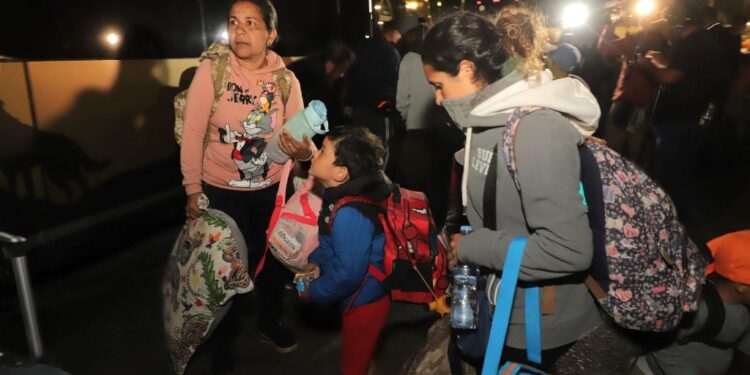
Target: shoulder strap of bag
point(218, 53)
point(280, 203)
point(284, 82)
point(346, 200)
point(509, 159)
point(501, 317)
point(489, 219)
point(509, 143)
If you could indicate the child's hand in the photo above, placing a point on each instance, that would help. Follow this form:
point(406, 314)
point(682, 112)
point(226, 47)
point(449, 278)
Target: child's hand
point(453, 250)
point(312, 269)
point(305, 294)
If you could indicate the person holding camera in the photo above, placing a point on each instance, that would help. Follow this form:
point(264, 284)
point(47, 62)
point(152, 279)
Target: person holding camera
point(690, 78)
point(627, 129)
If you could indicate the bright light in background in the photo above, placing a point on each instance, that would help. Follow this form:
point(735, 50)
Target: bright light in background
point(377, 7)
point(644, 7)
point(112, 38)
point(439, 4)
point(224, 36)
point(380, 23)
point(574, 15)
point(411, 5)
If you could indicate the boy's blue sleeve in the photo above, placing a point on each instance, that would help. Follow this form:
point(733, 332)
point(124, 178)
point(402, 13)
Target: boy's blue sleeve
point(323, 252)
point(342, 274)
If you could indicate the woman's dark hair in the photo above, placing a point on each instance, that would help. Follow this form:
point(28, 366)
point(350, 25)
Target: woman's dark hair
point(267, 11)
point(358, 150)
point(465, 36)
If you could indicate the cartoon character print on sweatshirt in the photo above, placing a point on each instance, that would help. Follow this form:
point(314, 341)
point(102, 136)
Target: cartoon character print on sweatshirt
point(249, 144)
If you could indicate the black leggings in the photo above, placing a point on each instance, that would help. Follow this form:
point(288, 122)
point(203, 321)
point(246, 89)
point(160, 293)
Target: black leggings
point(252, 211)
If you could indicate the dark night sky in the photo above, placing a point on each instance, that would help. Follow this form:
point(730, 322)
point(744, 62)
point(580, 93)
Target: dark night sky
point(73, 29)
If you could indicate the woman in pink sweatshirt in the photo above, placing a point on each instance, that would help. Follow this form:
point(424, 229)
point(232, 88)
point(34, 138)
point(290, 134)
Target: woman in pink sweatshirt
point(234, 171)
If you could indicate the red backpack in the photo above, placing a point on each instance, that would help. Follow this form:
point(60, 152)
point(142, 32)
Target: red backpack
point(415, 260)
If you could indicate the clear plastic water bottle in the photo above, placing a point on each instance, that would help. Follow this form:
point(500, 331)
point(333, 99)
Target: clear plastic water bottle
point(464, 298)
point(307, 122)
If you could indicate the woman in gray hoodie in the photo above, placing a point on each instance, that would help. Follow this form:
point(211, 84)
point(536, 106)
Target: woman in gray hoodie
point(464, 58)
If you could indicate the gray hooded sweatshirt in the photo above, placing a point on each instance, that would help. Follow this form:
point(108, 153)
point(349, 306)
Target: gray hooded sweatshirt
point(552, 214)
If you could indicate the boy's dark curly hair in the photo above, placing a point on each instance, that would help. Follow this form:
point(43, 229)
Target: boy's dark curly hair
point(358, 150)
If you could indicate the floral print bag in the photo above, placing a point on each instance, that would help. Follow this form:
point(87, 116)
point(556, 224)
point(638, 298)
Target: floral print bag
point(646, 272)
point(207, 267)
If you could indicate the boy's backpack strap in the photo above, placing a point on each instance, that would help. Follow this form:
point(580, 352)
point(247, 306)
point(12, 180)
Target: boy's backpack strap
point(376, 273)
point(284, 82)
point(356, 200)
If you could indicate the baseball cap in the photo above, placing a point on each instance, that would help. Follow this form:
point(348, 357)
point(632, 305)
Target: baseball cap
point(731, 254)
point(566, 56)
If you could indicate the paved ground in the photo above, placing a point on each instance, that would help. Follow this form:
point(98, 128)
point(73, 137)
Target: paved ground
point(106, 319)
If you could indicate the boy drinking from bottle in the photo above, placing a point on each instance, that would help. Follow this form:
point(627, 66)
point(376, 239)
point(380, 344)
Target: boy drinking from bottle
point(350, 163)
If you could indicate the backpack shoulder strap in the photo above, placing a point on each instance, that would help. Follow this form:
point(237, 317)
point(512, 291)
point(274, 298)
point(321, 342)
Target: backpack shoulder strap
point(218, 53)
point(220, 71)
point(509, 159)
point(283, 79)
point(509, 141)
point(489, 219)
point(349, 200)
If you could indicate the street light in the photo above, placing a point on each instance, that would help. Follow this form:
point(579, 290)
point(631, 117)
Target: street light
point(411, 5)
point(112, 38)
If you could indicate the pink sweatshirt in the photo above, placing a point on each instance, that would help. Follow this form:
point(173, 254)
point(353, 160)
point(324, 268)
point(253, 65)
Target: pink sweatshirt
point(249, 112)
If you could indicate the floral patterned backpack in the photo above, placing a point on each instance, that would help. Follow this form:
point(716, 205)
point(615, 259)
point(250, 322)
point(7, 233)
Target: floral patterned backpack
point(646, 273)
